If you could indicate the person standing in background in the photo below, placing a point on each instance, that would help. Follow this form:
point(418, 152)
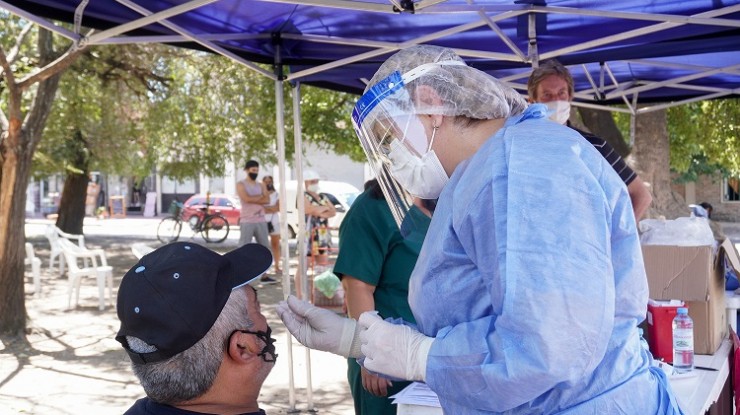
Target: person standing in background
point(552, 84)
point(252, 223)
point(318, 210)
point(272, 216)
point(375, 262)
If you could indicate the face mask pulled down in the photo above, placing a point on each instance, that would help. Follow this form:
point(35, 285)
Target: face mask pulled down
point(313, 188)
point(422, 177)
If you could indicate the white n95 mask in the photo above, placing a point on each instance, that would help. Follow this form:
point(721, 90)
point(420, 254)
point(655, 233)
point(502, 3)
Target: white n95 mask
point(560, 111)
point(422, 177)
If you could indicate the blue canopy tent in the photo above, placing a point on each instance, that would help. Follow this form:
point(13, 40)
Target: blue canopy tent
point(659, 53)
point(654, 51)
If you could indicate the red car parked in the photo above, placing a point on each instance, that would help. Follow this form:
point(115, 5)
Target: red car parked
point(227, 205)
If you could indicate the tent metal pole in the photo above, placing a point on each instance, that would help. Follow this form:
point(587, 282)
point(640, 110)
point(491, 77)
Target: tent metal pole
point(79, 12)
point(707, 18)
point(685, 101)
point(422, 39)
point(675, 82)
point(637, 32)
point(209, 45)
point(591, 81)
point(146, 20)
point(582, 104)
point(534, 56)
point(179, 38)
point(673, 65)
point(514, 48)
point(280, 131)
point(298, 138)
point(40, 21)
point(633, 121)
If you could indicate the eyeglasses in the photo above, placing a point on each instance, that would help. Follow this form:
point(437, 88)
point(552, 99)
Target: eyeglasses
point(268, 351)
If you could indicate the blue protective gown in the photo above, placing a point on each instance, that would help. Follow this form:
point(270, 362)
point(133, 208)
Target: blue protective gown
point(531, 280)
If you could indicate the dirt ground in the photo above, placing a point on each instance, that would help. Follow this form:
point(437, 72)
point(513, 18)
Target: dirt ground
point(71, 363)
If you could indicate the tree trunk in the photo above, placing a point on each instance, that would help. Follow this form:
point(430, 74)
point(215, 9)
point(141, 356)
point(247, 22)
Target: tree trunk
point(17, 145)
point(652, 153)
point(72, 204)
point(16, 161)
point(602, 124)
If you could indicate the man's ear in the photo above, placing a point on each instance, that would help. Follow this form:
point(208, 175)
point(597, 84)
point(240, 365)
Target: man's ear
point(243, 347)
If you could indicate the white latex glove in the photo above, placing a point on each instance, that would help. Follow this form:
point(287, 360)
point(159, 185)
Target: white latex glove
point(392, 349)
point(320, 329)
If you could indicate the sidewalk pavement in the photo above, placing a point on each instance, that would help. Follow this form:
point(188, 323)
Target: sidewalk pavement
point(73, 365)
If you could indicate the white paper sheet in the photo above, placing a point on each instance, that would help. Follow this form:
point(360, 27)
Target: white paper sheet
point(416, 394)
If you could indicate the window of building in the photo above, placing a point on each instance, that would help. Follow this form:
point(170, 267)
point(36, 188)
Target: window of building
point(731, 189)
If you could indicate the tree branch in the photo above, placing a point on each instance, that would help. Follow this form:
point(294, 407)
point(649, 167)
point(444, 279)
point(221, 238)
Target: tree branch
point(6, 72)
point(3, 122)
point(52, 68)
point(13, 54)
point(14, 92)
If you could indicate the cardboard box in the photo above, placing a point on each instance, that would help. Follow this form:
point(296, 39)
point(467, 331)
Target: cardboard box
point(696, 275)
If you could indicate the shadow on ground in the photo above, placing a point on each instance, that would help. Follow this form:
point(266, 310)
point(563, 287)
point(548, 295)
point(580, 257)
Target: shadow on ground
point(70, 363)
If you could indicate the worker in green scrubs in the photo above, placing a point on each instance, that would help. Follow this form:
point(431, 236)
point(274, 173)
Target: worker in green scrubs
point(375, 262)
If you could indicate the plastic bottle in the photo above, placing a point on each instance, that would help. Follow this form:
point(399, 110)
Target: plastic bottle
point(683, 342)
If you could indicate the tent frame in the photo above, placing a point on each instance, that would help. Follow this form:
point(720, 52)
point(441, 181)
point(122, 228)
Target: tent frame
point(603, 83)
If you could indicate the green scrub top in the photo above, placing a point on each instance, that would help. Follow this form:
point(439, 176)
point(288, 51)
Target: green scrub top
point(371, 249)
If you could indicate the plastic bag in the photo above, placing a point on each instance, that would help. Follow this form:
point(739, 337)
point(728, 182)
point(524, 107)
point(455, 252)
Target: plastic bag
point(327, 283)
point(683, 231)
point(731, 280)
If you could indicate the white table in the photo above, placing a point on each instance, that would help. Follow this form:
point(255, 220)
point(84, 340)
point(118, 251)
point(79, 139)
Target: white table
point(695, 393)
point(732, 304)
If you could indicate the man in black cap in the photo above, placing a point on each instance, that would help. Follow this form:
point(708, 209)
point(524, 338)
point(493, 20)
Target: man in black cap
point(194, 332)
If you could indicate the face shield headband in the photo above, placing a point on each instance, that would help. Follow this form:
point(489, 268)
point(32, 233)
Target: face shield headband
point(386, 117)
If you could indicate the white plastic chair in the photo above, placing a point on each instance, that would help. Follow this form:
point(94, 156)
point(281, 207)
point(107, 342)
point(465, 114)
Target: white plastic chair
point(53, 234)
point(140, 249)
point(83, 262)
point(35, 264)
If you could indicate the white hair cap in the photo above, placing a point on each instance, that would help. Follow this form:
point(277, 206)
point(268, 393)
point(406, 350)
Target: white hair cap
point(463, 90)
point(310, 174)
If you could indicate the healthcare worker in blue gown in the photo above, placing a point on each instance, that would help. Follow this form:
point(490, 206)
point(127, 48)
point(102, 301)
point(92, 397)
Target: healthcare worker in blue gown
point(530, 283)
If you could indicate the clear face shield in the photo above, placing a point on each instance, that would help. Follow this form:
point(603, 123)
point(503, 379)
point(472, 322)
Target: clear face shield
point(398, 146)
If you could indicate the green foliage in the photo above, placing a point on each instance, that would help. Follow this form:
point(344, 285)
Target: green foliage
point(103, 98)
point(326, 120)
point(703, 137)
point(217, 110)
point(185, 113)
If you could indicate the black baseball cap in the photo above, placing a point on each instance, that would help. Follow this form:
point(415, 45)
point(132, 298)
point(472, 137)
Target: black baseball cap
point(173, 295)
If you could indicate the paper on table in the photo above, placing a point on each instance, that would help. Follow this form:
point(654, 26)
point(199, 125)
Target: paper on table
point(416, 394)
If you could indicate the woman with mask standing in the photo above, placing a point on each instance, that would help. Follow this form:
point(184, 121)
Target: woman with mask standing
point(516, 311)
point(318, 211)
point(272, 216)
